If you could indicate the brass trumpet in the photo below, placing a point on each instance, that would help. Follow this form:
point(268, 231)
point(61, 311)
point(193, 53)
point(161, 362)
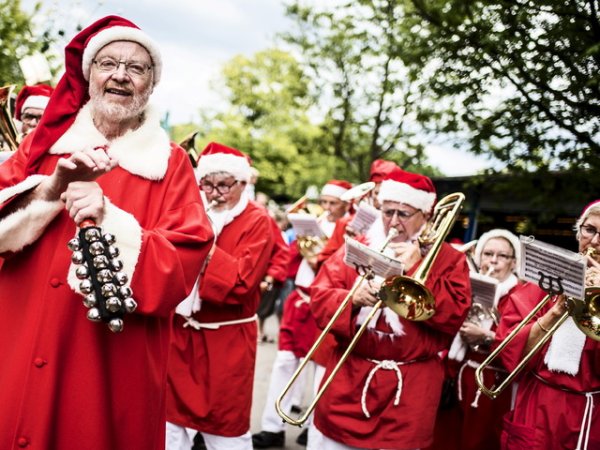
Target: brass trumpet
point(189, 145)
point(8, 130)
point(406, 296)
point(585, 313)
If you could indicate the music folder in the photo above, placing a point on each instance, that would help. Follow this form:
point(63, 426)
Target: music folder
point(554, 269)
point(483, 289)
point(365, 217)
point(364, 258)
point(305, 225)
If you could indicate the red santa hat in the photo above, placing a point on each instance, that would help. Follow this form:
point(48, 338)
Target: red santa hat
point(71, 92)
point(220, 158)
point(335, 188)
point(496, 233)
point(409, 188)
point(36, 96)
point(380, 170)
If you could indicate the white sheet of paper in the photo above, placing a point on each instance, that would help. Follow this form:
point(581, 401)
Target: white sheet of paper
point(547, 265)
point(364, 218)
point(483, 289)
point(363, 258)
point(305, 225)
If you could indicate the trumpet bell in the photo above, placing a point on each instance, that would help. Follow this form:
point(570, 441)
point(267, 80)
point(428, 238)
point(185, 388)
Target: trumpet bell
point(357, 192)
point(408, 298)
point(586, 314)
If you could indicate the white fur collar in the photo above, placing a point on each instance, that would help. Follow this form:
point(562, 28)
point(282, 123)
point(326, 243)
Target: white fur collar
point(144, 151)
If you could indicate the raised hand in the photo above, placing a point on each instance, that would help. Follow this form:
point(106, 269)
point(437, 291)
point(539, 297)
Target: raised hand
point(84, 200)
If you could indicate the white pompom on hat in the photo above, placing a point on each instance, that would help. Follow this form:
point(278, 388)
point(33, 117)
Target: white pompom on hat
point(219, 158)
point(498, 233)
point(335, 188)
point(120, 33)
point(412, 189)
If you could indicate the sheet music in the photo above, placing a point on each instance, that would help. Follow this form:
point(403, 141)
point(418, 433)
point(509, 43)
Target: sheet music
point(364, 218)
point(305, 225)
point(551, 267)
point(362, 258)
point(483, 289)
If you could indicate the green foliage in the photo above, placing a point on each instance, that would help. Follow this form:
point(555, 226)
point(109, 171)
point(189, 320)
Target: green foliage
point(519, 80)
point(16, 41)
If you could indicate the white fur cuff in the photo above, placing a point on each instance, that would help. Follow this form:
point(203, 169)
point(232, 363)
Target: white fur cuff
point(26, 225)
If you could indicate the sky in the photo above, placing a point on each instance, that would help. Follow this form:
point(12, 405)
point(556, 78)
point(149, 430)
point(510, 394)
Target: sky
point(196, 38)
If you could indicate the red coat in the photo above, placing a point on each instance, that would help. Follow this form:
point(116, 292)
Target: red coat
point(545, 416)
point(280, 255)
point(211, 371)
point(409, 424)
point(68, 383)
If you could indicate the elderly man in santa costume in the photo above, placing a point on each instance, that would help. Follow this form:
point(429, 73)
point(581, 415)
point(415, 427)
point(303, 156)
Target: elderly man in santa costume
point(30, 105)
point(213, 351)
point(558, 398)
point(386, 394)
point(98, 153)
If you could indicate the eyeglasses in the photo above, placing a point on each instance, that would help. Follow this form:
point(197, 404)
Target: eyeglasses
point(402, 215)
point(500, 256)
point(221, 188)
point(28, 117)
point(133, 68)
point(588, 231)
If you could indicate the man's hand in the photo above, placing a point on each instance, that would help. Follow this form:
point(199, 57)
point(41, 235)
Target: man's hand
point(84, 200)
point(85, 165)
point(366, 294)
point(407, 252)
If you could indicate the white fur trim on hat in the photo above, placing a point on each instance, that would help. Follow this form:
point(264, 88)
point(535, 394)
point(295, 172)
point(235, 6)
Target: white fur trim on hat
point(224, 162)
point(394, 191)
point(333, 190)
point(120, 33)
point(35, 101)
point(498, 233)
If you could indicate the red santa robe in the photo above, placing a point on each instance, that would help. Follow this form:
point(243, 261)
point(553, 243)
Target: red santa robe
point(68, 383)
point(386, 394)
point(211, 369)
point(551, 410)
point(475, 421)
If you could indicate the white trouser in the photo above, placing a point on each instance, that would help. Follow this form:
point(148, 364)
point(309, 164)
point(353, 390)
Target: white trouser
point(284, 366)
point(330, 444)
point(315, 437)
point(180, 438)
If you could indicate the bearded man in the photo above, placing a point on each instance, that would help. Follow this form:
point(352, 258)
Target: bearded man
point(98, 153)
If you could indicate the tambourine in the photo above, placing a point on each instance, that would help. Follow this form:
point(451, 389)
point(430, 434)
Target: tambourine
point(103, 284)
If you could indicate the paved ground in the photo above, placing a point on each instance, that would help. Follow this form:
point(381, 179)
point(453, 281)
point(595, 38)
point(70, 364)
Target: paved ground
point(264, 362)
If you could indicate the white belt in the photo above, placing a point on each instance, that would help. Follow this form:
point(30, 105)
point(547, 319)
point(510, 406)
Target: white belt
point(191, 322)
point(473, 365)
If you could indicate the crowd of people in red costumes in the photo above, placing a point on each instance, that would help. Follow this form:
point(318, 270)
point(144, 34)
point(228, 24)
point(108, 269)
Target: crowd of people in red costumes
point(207, 260)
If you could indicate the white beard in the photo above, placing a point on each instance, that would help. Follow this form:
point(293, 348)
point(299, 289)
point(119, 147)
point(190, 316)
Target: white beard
point(117, 112)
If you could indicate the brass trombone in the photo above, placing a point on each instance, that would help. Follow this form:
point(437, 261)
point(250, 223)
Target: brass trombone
point(405, 301)
point(189, 145)
point(585, 313)
point(8, 130)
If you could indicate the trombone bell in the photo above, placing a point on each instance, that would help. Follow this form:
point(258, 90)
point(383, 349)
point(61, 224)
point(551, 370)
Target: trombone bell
point(408, 298)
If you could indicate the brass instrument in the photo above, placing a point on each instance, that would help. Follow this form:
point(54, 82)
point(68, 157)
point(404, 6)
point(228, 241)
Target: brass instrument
point(308, 246)
point(357, 192)
point(189, 145)
point(585, 313)
point(8, 130)
point(415, 302)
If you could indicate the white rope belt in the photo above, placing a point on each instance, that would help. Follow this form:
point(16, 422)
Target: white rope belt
point(191, 322)
point(304, 298)
point(586, 421)
point(386, 364)
point(473, 365)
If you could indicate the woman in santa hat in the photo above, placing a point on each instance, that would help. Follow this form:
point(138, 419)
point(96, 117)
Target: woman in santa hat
point(558, 398)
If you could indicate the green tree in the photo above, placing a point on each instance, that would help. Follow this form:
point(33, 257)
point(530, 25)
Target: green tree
point(18, 39)
point(268, 118)
point(518, 80)
point(354, 56)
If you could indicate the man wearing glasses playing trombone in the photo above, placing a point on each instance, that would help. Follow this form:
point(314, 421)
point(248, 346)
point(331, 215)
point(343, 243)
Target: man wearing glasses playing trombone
point(387, 393)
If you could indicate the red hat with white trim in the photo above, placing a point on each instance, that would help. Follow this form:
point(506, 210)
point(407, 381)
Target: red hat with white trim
point(409, 188)
point(219, 158)
point(380, 170)
point(335, 188)
point(36, 96)
point(71, 92)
